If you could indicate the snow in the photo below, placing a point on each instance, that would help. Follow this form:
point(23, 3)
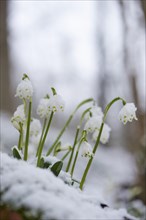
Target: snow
point(112, 167)
point(51, 159)
point(39, 191)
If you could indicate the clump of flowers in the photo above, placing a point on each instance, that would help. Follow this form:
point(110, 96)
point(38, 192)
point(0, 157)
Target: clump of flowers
point(33, 132)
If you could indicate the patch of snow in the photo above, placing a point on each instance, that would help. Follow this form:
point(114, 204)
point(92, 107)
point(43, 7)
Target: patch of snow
point(39, 191)
point(51, 159)
point(111, 168)
point(66, 177)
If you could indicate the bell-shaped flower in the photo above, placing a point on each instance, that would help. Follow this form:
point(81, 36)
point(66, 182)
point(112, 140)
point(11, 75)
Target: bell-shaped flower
point(95, 111)
point(18, 118)
point(35, 127)
point(44, 108)
point(57, 103)
point(93, 123)
point(86, 149)
point(128, 113)
point(104, 135)
point(24, 89)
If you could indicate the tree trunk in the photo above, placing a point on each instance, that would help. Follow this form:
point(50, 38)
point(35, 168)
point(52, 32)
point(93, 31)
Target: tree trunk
point(143, 3)
point(5, 100)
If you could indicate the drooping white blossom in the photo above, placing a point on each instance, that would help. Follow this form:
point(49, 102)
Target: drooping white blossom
point(93, 123)
point(86, 149)
point(18, 118)
point(24, 89)
point(128, 113)
point(35, 127)
point(44, 108)
point(57, 103)
point(104, 135)
point(95, 111)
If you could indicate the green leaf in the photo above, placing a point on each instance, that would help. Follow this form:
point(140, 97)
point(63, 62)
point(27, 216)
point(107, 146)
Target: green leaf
point(44, 164)
point(56, 168)
point(16, 154)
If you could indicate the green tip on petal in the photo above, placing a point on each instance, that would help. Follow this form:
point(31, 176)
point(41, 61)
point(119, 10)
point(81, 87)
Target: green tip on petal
point(25, 76)
point(47, 96)
point(54, 91)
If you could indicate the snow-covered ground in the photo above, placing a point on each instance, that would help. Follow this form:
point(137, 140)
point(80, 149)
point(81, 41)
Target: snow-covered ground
point(39, 192)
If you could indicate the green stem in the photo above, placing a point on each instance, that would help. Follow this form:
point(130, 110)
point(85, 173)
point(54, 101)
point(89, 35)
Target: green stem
point(83, 115)
point(20, 139)
point(98, 139)
point(83, 138)
point(24, 102)
point(90, 160)
point(44, 138)
point(20, 142)
point(67, 123)
point(72, 152)
point(44, 126)
point(110, 104)
point(55, 149)
point(27, 131)
point(63, 158)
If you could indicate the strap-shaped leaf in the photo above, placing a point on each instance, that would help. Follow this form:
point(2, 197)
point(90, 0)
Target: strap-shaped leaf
point(16, 153)
point(56, 168)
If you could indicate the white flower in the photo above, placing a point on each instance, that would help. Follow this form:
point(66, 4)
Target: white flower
point(57, 103)
point(44, 108)
point(93, 123)
point(35, 127)
point(86, 149)
point(19, 117)
point(95, 111)
point(24, 89)
point(127, 113)
point(104, 135)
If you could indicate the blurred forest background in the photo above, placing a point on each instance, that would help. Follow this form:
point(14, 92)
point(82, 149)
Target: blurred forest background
point(84, 49)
